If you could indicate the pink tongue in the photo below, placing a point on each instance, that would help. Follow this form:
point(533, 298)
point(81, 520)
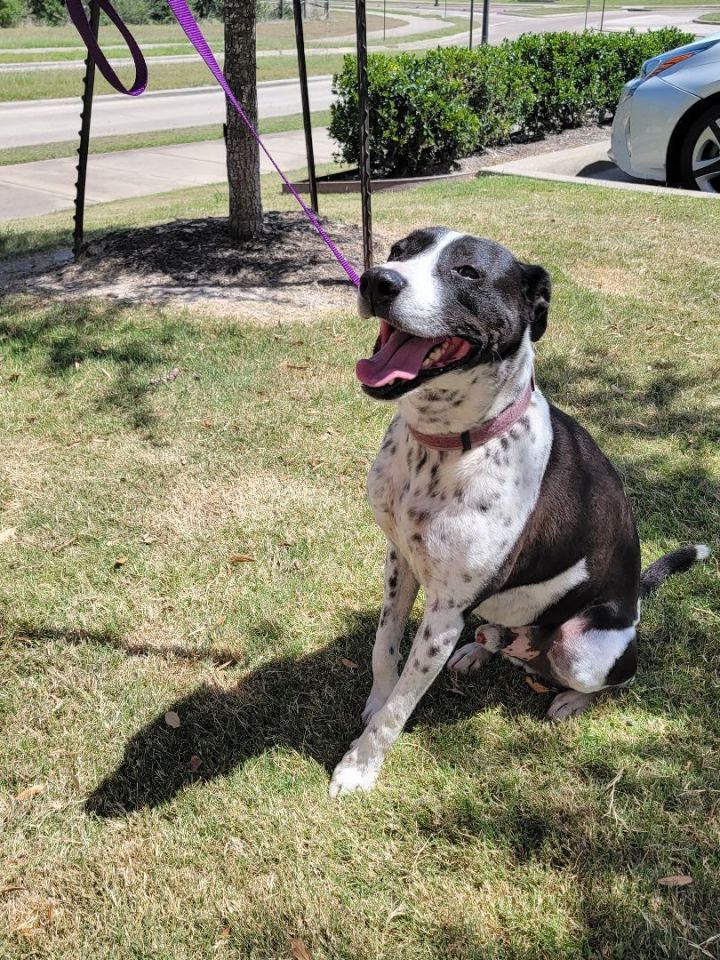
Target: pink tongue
point(399, 358)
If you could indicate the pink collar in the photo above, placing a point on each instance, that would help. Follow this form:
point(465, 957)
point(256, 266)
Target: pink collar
point(489, 430)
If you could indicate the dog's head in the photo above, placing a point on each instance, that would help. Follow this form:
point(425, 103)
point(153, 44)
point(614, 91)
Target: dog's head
point(447, 301)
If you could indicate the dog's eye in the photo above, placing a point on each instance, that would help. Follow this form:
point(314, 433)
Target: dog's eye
point(397, 250)
point(470, 273)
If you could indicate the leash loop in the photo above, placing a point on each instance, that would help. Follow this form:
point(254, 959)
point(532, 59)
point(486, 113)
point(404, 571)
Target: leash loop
point(82, 25)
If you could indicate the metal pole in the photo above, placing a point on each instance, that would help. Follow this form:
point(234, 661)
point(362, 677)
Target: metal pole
point(364, 124)
point(472, 17)
point(602, 17)
point(304, 96)
point(83, 149)
point(486, 21)
point(587, 11)
point(384, 13)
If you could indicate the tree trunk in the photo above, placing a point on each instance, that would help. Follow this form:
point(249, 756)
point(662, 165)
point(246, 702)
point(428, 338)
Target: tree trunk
point(243, 161)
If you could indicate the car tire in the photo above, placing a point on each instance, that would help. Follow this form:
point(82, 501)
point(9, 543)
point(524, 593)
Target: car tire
point(699, 161)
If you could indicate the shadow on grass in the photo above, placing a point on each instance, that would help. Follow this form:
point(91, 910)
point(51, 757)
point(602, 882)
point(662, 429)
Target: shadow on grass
point(311, 704)
point(621, 404)
point(69, 334)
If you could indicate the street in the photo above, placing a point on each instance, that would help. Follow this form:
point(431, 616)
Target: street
point(46, 121)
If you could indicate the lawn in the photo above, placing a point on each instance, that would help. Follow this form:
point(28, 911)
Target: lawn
point(126, 501)
point(65, 82)
point(164, 39)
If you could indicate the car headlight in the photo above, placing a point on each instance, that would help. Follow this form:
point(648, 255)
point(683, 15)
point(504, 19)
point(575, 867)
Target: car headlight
point(656, 65)
point(651, 68)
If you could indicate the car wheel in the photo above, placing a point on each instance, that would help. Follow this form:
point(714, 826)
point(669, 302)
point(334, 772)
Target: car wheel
point(700, 153)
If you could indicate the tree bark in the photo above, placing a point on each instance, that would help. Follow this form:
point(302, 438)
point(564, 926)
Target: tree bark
point(243, 160)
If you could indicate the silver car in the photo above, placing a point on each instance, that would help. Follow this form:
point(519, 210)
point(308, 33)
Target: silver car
point(667, 123)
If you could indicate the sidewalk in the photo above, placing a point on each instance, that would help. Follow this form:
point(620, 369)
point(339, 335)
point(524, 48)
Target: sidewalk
point(34, 189)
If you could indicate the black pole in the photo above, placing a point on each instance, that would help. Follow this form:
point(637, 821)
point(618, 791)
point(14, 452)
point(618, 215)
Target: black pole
point(85, 117)
point(486, 21)
point(472, 17)
point(304, 96)
point(364, 124)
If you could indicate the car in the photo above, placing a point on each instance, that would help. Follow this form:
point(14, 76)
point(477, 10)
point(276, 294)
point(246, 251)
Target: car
point(667, 122)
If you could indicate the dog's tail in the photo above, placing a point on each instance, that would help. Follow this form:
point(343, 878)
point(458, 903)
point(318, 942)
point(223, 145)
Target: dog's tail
point(674, 562)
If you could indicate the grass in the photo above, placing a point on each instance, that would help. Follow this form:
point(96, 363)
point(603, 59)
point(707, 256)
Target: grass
point(158, 138)
point(709, 18)
point(491, 834)
point(32, 36)
point(45, 84)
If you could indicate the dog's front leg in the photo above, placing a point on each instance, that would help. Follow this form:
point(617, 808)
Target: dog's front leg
point(401, 588)
point(433, 644)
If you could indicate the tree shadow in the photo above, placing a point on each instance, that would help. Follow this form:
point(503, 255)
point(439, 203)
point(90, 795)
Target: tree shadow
point(71, 333)
point(200, 253)
point(595, 386)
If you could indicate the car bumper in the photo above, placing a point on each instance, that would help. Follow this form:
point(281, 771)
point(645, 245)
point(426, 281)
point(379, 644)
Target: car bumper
point(646, 115)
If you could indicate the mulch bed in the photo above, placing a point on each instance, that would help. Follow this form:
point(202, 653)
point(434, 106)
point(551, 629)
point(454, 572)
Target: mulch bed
point(197, 262)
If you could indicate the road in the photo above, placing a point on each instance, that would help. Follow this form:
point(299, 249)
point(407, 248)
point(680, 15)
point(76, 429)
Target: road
point(46, 121)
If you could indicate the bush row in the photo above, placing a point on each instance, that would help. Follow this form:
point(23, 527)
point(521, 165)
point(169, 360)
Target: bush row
point(427, 111)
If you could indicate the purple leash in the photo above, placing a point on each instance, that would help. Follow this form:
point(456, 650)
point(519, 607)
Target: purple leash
point(187, 21)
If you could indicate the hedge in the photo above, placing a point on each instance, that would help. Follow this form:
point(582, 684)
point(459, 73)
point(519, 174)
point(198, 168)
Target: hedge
point(429, 110)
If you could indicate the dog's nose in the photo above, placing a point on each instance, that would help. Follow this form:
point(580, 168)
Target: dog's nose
point(380, 285)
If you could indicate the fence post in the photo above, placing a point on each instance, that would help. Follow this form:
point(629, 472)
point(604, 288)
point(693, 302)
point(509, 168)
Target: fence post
point(83, 149)
point(364, 124)
point(305, 98)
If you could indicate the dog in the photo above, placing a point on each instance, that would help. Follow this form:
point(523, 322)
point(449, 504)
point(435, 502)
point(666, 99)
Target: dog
point(492, 499)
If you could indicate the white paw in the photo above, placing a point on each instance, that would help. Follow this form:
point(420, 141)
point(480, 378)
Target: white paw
point(568, 704)
point(468, 658)
point(350, 775)
point(376, 701)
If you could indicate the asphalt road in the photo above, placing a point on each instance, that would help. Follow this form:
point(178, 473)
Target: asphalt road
point(46, 121)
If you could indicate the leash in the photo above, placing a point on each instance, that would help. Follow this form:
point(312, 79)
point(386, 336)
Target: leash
point(192, 30)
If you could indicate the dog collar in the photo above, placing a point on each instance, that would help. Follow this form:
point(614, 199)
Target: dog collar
point(489, 430)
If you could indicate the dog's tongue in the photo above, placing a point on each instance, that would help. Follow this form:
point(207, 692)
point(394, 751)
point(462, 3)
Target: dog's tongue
point(399, 358)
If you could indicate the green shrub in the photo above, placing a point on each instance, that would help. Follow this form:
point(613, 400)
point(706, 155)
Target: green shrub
point(48, 11)
point(11, 12)
point(427, 111)
point(420, 115)
point(134, 11)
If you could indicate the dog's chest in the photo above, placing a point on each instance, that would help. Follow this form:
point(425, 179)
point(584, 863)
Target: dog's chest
point(455, 516)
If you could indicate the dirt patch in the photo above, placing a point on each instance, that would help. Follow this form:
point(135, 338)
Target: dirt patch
point(565, 140)
point(195, 263)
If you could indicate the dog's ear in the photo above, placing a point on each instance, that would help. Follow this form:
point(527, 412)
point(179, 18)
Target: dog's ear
point(538, 287)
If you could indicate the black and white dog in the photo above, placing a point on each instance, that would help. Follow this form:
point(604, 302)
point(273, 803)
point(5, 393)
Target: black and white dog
point(491, 499)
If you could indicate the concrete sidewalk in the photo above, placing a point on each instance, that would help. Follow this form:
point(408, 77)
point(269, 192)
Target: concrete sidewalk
point(34, 189)
point(588, 163)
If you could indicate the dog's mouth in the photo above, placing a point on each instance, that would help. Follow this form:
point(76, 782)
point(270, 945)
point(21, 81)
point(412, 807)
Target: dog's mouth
point(401, 360)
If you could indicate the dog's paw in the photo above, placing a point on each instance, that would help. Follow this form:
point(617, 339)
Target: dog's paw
point(469, 657)
point(568, 704)
point(350, 775)
point(375, 702)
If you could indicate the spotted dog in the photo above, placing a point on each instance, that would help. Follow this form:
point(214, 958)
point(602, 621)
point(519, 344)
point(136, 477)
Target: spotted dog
point(490, 498)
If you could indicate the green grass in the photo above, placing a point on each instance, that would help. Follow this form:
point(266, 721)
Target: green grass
point(30, 36)
point(44, 84)
point(41, 56)
point(709, 18)
point(491, 834)
point(159, 138)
